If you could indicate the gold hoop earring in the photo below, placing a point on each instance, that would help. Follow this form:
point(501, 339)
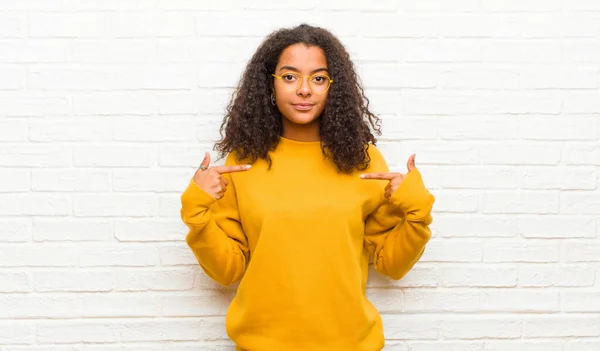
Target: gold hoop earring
point(273, 101)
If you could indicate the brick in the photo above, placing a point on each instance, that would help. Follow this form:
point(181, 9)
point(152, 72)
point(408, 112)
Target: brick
point(582, 5)
point(151, 24)
point(559, 78)
point(523, 345)
point(61, 25)
point(139, 103)
point(456, 201)
point(35, 205)
point(14, 180)
point(121, 255)
point(474, 276)
point(33, 106)
point(520, 251)
point(34, 50)
point(526, 201)
point(580, 202)
point(520, 301)
point(556, 326)
point(451, 225)
point(115, 156)
point(405, 127)
point(150, 129)
point(114, 205)
point(12, 25)
point(560, 178)
point(70, 180)
point(439, 5)
point(148, 229)
point(186, 156)
point(477, 177)
point(562, 276)
point(526, 51)
point(478, 327)
point(479, 78)
point(83, 305)
point(423, 102)
point(520, 6)
point(13, 130)
point(29, 155)
point(426, 300)
point(580, 301)
point(453, 251)
point(418, 276)
point(13, 78)
point(11, 282)
point(557, 226)
point(17, 332)
point(477, 26)
point(411, 326)
point(446, 346)
point(390, 76)
point(431, 152)
point(17, 230)
point(137, 50)
point(582, 50)
point(449, 50)
point(581, 154)
point(37, 256)
point(392, 25)
point(69, 229)
point(559, 128)
point(521, 153)
point(176, 255)
point(581, 251)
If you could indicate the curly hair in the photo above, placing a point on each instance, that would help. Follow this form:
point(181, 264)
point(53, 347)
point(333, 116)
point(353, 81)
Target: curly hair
point(253, 126)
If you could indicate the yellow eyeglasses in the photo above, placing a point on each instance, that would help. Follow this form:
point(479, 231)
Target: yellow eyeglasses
point(318, 82)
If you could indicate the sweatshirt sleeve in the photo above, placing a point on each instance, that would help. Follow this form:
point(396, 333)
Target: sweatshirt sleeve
point(216, 236)
point(397, 231)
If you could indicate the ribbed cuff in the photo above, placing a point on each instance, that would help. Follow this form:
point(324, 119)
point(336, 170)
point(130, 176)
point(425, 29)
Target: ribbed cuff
point(412, 197)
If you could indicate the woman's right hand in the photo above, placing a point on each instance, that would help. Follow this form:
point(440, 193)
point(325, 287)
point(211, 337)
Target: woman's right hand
point(210, 179)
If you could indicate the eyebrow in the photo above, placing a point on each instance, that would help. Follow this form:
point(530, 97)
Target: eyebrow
point(297, 70)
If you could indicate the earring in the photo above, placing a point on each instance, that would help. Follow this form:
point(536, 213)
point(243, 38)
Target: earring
point(273, 101)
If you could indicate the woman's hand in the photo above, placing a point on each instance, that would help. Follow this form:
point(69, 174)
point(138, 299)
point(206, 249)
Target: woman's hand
point(210, 179)
point(395, 178)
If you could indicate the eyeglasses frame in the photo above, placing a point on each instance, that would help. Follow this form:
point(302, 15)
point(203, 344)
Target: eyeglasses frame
point(280, 77)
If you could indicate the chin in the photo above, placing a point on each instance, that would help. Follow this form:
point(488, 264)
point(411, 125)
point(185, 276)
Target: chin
point(298, 117)
point(302, 119)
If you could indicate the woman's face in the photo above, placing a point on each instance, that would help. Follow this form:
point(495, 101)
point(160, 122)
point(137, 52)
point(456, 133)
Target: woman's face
point(301, 103)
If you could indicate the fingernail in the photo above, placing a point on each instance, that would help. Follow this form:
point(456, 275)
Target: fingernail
point(362, 176)
point(248, 166)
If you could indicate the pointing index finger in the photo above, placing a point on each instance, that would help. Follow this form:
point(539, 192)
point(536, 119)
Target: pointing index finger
point(231, 169)
point(378, 175)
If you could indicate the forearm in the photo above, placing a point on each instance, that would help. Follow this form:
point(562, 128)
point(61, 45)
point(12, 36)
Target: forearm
point(403, 247)
point(219, 255)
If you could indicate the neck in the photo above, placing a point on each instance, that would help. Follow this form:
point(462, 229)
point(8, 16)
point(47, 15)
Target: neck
point(301, 132)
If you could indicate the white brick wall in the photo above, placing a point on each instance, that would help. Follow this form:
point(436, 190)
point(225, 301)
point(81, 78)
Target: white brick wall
point(106, 108)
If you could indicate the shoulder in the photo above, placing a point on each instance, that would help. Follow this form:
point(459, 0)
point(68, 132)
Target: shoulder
point(377, 163)
point(233, 159)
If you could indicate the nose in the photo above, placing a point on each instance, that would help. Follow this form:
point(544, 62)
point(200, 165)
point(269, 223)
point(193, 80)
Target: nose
point(304, 89)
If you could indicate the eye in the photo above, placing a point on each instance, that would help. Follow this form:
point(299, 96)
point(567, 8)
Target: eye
point(320, 79)
point(289, 77)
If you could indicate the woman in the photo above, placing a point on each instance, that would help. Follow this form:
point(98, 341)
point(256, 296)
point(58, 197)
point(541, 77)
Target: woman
point(303, 201)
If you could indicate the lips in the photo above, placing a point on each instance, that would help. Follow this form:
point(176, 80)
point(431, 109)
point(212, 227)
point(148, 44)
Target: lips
point(303, 106)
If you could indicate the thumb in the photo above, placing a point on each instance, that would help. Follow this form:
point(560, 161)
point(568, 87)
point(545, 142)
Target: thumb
point(410, 164)
point(206, 161)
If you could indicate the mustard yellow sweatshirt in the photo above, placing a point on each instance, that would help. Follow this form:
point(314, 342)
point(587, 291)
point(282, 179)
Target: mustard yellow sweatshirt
point(300, 236)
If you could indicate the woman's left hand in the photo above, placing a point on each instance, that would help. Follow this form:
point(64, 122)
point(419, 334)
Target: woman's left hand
point(395, 178)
